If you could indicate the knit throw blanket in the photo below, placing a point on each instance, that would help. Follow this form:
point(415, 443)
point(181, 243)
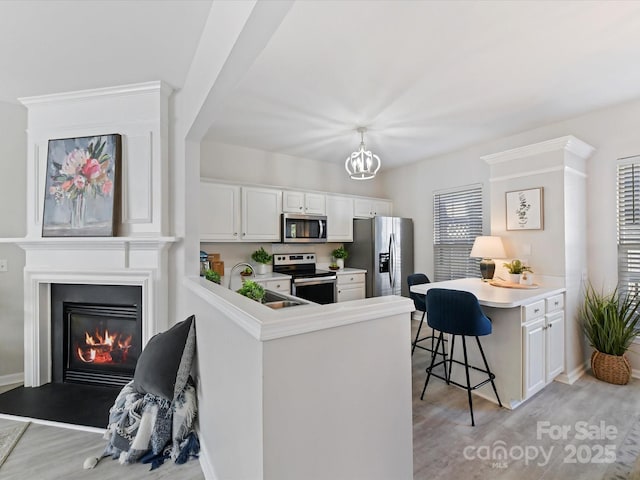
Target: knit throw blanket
point(150, 429)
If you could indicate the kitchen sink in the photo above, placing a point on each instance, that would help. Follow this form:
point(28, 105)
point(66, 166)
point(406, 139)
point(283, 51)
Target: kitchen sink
point(277, 300)
point(282, 304)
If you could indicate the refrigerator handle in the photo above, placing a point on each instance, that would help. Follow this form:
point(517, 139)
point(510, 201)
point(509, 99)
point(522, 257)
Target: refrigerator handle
point(390, 269)
point(392, 260)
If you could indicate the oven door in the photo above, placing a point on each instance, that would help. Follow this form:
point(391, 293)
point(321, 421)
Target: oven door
point(319, 290)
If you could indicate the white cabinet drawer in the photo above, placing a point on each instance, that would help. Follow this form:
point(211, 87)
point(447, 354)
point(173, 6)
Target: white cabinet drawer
point(555, 303)
point(278, 285)
point(533, 310)
point(350, 278)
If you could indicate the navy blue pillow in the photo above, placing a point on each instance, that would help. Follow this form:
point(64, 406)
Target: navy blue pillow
point(158, 365)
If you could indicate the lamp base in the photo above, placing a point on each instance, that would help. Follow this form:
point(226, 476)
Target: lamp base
point(487, 269)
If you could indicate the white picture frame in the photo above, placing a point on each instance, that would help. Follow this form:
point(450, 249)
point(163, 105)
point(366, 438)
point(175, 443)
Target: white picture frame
point(525, 209)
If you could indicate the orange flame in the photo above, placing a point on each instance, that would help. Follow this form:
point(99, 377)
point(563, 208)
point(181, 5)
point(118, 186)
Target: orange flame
point(104, 348)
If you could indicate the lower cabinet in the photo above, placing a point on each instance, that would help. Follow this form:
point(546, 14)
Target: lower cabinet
point(543, 342)
point(351, 286)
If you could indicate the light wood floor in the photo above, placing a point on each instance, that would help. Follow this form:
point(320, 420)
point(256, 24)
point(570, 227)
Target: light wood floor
point(442, 429)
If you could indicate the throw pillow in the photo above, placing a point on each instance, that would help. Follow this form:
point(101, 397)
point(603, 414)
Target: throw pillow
point(160, 361)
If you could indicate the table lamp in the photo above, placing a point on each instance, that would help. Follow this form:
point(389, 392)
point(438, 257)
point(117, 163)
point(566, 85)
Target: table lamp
point(487, 248)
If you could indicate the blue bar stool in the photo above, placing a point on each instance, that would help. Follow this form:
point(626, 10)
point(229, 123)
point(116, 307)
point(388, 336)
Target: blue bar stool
point(420, 304)
point(458, 313)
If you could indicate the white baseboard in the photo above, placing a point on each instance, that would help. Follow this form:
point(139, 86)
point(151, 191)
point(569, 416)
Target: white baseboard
point(635, 373)
point(11, 379)
point(205, 461)
point(571, 377)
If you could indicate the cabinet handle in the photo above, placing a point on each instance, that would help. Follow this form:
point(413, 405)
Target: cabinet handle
point(557, 303)
point(278, 286)
point(550, 325)
point(536, 310)
point(235, 234)
point(351, 279)
point(300, 208)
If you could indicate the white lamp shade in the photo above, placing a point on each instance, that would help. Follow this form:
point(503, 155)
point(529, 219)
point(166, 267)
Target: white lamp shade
point(488, 247)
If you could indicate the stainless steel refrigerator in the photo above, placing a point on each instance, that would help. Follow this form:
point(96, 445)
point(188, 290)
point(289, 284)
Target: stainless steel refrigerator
point(384, 247)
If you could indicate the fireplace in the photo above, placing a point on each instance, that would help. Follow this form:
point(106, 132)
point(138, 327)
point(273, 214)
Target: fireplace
point(96, 333)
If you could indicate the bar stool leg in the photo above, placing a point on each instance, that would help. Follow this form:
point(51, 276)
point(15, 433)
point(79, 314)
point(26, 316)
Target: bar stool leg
point(444, 360)
point(415, 342)
point(433, 360)
point(466, 368)
point(486, 365)
point(453, 344)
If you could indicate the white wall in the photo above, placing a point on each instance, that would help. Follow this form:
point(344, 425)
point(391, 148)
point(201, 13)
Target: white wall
point(13, 155)
point(612, 131)
point(246, 165)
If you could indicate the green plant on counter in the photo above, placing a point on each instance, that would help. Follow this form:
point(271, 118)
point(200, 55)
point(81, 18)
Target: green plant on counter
point(340, 253)
point(247, 271)
point(516, 267)
point(252, 290)
point(334, 266)
point(212, 276)
point(261, 256)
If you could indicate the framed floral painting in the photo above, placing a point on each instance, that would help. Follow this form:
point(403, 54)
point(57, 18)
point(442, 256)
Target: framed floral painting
point(82, 189)
point(525, 209)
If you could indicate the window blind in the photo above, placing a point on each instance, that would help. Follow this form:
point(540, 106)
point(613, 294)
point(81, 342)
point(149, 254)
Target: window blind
point(628, 212)
point(457, 221)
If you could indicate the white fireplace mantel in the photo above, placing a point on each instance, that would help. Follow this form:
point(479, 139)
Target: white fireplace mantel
point(89, 261)
point(139, 257)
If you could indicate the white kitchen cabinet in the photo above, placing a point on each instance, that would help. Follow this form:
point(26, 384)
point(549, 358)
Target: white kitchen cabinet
point(371, 207)
point(261, 209)
point(302, 202)
point(219, 212)
point(534, 357)
point(543, 341)
point(277, 285)
point(351, 286)
point(230, 213)
point(339, 219)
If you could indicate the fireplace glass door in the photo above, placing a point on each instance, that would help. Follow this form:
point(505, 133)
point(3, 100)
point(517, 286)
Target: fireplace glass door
point(102, 343)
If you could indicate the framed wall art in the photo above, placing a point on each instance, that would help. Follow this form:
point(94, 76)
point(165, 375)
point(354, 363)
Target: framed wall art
point(82, 188)
point(525, 209)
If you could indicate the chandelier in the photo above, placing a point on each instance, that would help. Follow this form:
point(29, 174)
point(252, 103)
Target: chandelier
point(362, 164)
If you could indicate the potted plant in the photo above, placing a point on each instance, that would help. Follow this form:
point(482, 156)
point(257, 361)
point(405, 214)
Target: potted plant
point(212, 276)
point(339, 255)
point(252, 290)
point(609, 322)
point(515, 269)
point(246, 272)
point(262, 259)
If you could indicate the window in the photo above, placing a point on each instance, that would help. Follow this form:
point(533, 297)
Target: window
point(629, 224)
point(457, 221)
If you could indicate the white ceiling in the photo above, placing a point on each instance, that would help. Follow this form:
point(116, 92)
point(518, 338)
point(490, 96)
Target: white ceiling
point(425, 77)
point(53, 46)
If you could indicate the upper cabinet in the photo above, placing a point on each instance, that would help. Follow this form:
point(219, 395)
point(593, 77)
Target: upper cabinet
point(339, 219)
point(219, 212)
point(230, 213)
point(371, 207)
point(301, 202)
point(261, 209)
point(237, 213)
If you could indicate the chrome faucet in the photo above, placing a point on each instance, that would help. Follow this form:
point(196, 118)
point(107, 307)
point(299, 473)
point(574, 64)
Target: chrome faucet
point(241, 264)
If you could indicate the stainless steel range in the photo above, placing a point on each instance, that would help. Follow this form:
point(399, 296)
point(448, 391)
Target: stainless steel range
point(308, 282)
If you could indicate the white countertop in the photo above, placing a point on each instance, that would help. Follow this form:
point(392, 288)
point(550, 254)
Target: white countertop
point(492, 296)
point(265, 323)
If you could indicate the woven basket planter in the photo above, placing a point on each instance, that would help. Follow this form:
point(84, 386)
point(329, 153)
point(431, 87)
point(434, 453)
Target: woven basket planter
point(611, 368)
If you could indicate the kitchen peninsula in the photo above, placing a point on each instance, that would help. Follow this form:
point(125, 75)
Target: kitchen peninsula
point(291, 370)
point(526, 347)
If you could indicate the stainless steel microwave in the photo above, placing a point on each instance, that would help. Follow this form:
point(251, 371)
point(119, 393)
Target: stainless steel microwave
point(298, 228)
